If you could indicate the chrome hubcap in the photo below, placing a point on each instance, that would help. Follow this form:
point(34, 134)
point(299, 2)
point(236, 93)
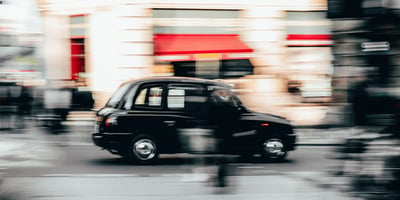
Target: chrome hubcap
point(144, 149)
point(274, 148)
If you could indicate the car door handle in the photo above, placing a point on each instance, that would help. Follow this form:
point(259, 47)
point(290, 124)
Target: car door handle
point(169, 123)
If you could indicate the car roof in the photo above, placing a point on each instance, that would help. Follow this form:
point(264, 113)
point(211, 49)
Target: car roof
point(176, 79)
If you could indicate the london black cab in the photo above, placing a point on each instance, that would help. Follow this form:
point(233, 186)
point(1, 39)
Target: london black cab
point(143, 119)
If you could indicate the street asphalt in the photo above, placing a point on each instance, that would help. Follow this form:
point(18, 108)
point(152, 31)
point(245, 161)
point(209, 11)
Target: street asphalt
point(28, 147)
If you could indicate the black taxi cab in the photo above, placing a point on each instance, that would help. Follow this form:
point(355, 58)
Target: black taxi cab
point(144, 118)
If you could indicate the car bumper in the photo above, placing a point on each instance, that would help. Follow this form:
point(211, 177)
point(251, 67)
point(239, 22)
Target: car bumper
point(291, 142)
point(111, 140)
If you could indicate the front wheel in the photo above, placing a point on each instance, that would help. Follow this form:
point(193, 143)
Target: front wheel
point(142, 149)
point(274, 149)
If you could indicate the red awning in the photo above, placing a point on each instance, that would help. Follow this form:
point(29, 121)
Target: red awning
point(315, 40)
point(190, 45)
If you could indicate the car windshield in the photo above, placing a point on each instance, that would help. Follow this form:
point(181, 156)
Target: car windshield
point(117, 96)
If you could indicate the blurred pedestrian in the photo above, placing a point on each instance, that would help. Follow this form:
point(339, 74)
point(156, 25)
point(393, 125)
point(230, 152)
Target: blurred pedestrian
point(224, 111)
point(208, 133)
point(196, 132)
point(25, 104)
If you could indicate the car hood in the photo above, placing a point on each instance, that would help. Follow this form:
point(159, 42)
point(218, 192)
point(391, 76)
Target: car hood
point(105, 111)
point(256, 116)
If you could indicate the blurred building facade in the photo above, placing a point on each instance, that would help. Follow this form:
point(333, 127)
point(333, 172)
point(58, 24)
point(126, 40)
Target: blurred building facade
point(366, 54)
point(21, 37)
point(267, 45)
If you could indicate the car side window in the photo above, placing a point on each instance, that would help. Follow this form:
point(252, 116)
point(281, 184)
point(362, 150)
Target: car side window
point(176, 98)
point(140, 99)
point(150, 96)
point(183, 96)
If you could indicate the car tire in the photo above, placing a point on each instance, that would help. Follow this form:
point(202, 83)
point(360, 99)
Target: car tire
point(142, 149)
point(273, 149)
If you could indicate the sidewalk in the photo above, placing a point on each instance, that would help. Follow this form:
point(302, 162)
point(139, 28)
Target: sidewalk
point(25, 147)
point(274, 186)
point(325, 136)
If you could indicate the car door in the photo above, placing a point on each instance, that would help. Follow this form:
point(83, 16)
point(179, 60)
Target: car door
point(184, 103)
point(147, 115)
point(230, 114)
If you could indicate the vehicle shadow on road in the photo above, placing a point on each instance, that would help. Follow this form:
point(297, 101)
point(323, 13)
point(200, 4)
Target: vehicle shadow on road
point(124, 162)
point(260, 160)
point(188, 160)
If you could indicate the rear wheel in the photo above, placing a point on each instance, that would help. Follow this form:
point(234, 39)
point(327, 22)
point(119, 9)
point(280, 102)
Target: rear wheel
point(142, 149)
point(273, 148)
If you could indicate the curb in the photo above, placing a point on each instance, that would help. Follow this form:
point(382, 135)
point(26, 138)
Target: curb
point(319, 144)
point(321, 126)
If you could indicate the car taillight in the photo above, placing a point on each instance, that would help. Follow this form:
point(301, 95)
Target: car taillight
point(110, 121)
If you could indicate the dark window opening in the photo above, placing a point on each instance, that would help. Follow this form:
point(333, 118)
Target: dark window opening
point(228, 69)
point(187, 68)
point(235, 68)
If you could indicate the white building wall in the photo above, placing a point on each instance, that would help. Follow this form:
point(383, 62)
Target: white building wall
point(303, 5)
point(134, 41)
point(264, 31)
point(102, 51)
point(57, 47)
point(120, 46)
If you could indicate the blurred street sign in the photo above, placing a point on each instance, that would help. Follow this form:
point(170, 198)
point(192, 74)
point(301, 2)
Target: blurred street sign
point(375, 46)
